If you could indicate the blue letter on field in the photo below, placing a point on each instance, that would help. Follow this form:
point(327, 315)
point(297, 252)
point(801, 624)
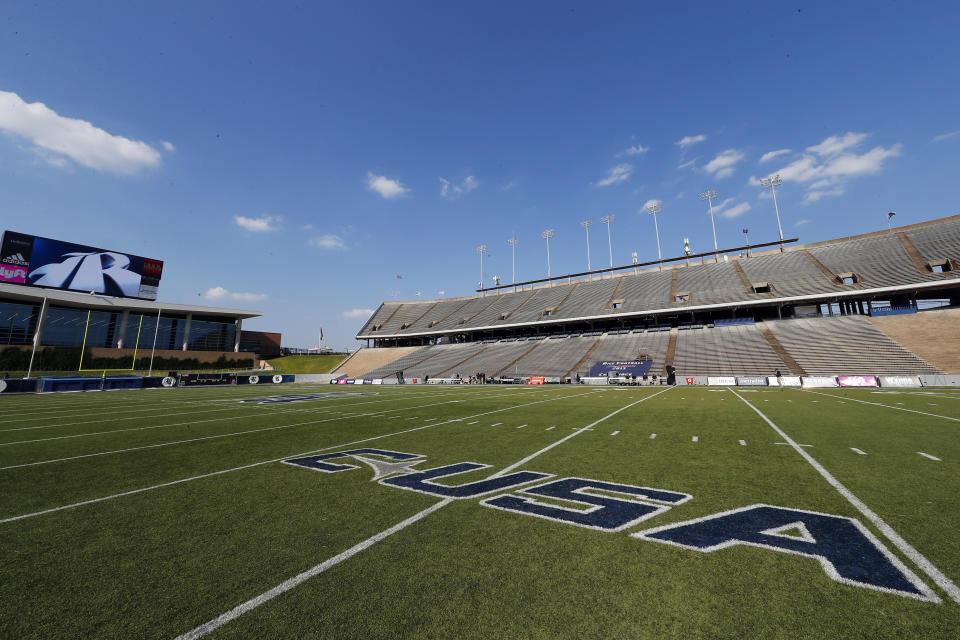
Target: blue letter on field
point(607, 513)
point(421, 481)
point(848, 552)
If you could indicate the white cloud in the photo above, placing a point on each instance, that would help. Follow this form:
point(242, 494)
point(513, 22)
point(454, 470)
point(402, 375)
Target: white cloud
point(616, 175)
point(800, 223)
point(220, 293)
point(687, 141)
point(736, 210)
point(261, 224)
point(385, 186)
point(358, 313)
point(837, 144)
point(327, 241)
point(680, 195)
point(770, 155)
point(829, 165)
point(508, 186)
point(635, 150)
point(452, 190)
point(945, 136)
point(684, 165)
point(722, 165)
point(57, 138)
point(168, 146)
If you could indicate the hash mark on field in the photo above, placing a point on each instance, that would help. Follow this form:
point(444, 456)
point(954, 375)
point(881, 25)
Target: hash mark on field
point(474, 422)
point(497, 424)
point(927, 455)
point(799, 445)
point(614, 433)
point(549, 428)
point(523, 425)
point(695, 439)
point(652, 436)
point(743, 443)
point(855, 450)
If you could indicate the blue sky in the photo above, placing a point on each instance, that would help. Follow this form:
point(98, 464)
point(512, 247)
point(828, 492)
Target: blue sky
point(295, 158)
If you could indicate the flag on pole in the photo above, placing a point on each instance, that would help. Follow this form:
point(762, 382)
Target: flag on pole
point(891, 214)
point(321, 334)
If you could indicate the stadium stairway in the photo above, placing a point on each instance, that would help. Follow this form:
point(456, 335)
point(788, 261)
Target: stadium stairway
point(933, 335)
point(793, 367)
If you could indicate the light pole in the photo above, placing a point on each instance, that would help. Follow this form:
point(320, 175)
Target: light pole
point(586, 224)
point(481, 250)
point(546, 235)
point(709, 196)
point(513, 259)
point(653, 208)
point(746, 234)
point(773, 182)
point(607, 220)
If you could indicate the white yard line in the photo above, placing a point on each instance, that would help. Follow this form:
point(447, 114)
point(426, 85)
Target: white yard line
point(272, 460)
point(935, 574)
point(287, 585)
point(927, 455)
point(888, 406)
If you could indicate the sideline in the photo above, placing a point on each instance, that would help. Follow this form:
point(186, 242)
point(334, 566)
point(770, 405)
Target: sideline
point(935, 574)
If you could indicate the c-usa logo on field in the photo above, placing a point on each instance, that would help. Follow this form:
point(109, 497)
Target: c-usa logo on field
point(846, 550)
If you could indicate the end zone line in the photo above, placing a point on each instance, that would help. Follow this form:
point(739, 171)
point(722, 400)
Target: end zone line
point(935, 574)
point(888, 406)
point(272, 460)
point(287, 585)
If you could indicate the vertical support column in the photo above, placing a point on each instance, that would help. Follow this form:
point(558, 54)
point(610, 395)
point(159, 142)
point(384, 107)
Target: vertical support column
point(186, 331)
point(38, 334)
point(122, 328)
point(236, 342)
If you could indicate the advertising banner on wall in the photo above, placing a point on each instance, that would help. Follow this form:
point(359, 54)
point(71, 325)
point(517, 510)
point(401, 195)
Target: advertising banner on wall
point(900, 381)
point(857, 381)
point(722, 380)
point(819, 381)
point(752, 381)
point(42, 262)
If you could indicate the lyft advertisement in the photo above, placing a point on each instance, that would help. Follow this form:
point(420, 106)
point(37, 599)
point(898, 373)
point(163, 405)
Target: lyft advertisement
point(42, 262)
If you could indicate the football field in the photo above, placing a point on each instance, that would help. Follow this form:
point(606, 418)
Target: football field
point(319, 511)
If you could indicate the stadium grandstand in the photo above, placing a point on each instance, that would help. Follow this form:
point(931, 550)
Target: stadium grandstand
point(877, 303)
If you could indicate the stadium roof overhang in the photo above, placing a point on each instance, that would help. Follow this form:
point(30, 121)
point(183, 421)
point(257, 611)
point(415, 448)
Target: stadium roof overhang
point(35, 295)
point(950, 283)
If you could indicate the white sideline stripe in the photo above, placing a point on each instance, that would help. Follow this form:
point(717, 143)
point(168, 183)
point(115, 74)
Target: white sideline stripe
point(935, 574)
point(855, 450)
point(287, 585)
point(614, 433)
point(888, 406)
point(927, 455)
point(695, 439)
point(743, 443)
point(272, 460)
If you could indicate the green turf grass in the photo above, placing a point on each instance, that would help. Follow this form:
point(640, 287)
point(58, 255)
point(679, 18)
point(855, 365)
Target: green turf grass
point(159, 563)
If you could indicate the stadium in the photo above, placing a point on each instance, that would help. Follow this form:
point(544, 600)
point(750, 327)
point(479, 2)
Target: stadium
point(634, 465)
point(705, 384)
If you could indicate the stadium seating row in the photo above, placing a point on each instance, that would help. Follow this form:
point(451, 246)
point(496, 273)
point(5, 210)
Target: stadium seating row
point(894, 258)
point(828, 346)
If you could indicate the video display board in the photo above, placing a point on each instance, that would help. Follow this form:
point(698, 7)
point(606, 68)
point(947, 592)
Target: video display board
point(42, 262)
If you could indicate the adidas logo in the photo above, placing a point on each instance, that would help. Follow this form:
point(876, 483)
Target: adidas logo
point(17, 259)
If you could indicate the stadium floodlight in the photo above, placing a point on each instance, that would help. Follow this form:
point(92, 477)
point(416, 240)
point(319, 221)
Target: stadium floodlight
point(546, 235)
point(746, 235)
point(513, 259)
point(586, 224)
point(709, 196)
point(773, 182)
point(481, 250)
point(608, 220)
point(653, 208)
